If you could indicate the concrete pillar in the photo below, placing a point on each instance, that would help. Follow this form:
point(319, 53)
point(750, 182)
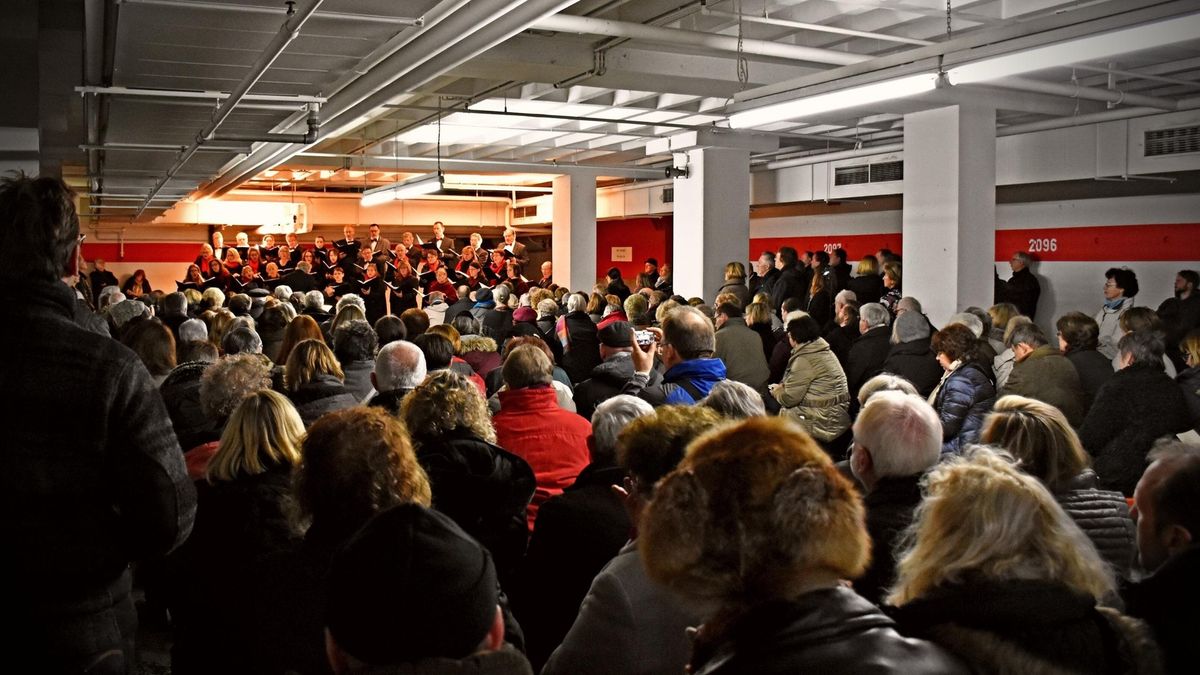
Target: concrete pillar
point(949, 215)
point(712, 219)
point(574, 233)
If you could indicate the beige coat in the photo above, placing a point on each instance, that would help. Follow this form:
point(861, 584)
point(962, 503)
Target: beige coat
point(814, 392)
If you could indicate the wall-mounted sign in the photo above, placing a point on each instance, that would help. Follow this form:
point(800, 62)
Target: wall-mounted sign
point(622, 254)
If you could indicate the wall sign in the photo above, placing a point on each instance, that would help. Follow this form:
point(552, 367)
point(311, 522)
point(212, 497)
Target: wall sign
point(622, 254)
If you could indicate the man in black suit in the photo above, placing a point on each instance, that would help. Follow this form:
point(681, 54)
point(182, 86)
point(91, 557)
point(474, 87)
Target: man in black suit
point(301, 279)
point(445, 245)
point(379, 246)
point(514, 247)
point(348, 246)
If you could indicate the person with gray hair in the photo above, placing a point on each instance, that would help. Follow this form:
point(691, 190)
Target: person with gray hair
point(897, 438)
point(174, 311)
point(581, 348)
point(354, 345)
point(350, 299)
point(193, 329)
point(686, 345)
point(1138, 405)
point(870, 350)
point(1022, 289)
point(314, 303)
point(908, 304)
point(735, 400)
point(241, 340)
point(910, 356)
point(498, 321)
point(969, 320)
point(1044, 374)
point(399, 368)
point(577, 533)
point(283, 293)
point(108, 296)
point(882, 383)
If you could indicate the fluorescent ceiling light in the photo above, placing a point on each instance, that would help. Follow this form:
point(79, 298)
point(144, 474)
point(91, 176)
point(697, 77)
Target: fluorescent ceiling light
point(837, 100)
point(1091, 48)
point(405, 189)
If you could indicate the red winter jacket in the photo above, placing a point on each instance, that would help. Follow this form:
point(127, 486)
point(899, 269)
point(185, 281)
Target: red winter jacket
point(553, 441)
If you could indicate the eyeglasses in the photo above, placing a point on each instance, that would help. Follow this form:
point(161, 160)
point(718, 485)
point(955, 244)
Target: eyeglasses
point(1110, 285)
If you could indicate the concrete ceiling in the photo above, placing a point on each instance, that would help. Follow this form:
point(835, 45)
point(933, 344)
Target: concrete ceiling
point(514, 89)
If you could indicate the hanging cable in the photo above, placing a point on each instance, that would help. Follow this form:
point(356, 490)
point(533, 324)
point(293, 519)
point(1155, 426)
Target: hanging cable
point(743, 64)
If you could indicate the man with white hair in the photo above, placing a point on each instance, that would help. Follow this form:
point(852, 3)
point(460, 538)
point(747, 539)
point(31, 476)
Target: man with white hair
point(1022, 289)
point(580, 341)
point(870, 350)
point(283, 293)
point(193, 330)
point(314, 306)
point(897, 438)
point(576, 534)
point(515, 247)
point(399, 368)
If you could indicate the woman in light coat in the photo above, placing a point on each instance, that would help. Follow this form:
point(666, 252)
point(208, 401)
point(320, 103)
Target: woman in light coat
point(1120, 286)
point(814, 392)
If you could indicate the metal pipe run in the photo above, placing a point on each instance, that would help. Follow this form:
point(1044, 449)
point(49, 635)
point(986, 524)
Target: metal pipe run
point(164, 147)
point(257, 9)
point(201, 94)
point(800, 25)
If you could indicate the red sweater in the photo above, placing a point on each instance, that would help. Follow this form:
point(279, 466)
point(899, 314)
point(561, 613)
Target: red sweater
point(552, 440)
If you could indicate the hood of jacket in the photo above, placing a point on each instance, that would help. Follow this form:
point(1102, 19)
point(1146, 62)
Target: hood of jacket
point(616, 370)
point(529, 399)
point(321, 386)
point(477, 343)
point(703, 374)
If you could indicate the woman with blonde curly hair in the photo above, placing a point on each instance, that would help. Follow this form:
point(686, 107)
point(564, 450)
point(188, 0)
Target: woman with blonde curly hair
point(757, 524)
point(995, 571)
point(483, 487)
point(314, 380)
point(1046, 447)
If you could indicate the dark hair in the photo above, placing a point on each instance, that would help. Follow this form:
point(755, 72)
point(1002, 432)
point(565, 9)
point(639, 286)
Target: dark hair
point(840, 253)
point(389, 329)
point(1190, 276)
point(532, 340)
point(788, 255)
point(730, 309)
point(792, 304)
point(1177, 500)
point(955, 341)
point(1145, 346)
point(822, 257)
point(273, 318)
point(153, 343)
point(196, 350)
point(438, 350)
point(241, 340)
point(803, 329)
point(174, 304)
point(240, 304)
point(354, 341)
point(416, 322)
point(1140, 318)
point(1079, 331)
point(1029, 334)
point(39, 228)
point(466, 324)
point(1125, 280)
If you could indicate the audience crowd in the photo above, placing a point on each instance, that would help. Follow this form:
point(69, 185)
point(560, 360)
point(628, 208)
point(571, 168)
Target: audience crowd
point(803, 473)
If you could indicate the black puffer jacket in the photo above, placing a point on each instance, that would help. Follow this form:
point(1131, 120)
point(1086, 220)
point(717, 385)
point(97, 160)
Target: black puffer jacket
point(832, 630)
point(1094, 370)
point(325, 394)
point(1030, 626)
point(1136, 407)
point(867, 288)
point(789, 284)
point(916, 363)
point(484, 489)
point(866, 358)
point(606, 382)
point(965, 398)
point(1103, 516)
point(582, 352)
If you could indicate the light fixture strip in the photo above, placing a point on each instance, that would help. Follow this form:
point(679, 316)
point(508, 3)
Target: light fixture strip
point(406, 189)
point(837, 100)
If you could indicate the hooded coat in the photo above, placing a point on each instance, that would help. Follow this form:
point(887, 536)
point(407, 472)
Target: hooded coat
point(480, 352)
point(685, 383)
point(915, 362)
point(606, 381)
point(813, 392)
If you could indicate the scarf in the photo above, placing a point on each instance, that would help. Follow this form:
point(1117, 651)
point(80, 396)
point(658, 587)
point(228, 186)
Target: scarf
point(936, 390)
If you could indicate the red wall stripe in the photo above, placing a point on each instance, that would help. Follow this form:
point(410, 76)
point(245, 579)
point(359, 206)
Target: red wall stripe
point(856, 245)
point(144, 251)
point(1126, 243)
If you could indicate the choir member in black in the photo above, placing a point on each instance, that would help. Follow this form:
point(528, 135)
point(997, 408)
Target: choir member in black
point(242, 244)
point(348, 246)
point(403, 287)
point(233, 261)
point(336, 285)
point(219, 275)
point(333, 259)
point(365, 259)
point(465, 258)
point(292, 241)
point(268, 249)
point(254, 260)
point(444, 244)
point(206, 254)
point(431, 264)
point(374, 293)
point(514, 278)
point(248, 281)
point(442, 284)
point(272, 278)
point(475, 277)
point(192, 279)
point(301, 279)
point(415, 254)
point(308, 257)
point(286, 261)
point(379, 246)
point(137, 285)
point(218, 244)
point(320, 252)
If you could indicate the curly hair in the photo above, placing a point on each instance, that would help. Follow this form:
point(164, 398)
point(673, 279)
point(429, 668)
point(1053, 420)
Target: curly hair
point(955, 341)
point(982, 517)
point(446, 401)
point(753, 512)
point(651, 446)
point(355, 463)
point(228, 381)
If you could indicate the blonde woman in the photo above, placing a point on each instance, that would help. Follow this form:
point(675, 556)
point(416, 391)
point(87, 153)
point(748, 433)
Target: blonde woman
point(995, 571)
point(483, 487)
point(867, 284)
point(735, 283)
point(892, 293)
point(1189, 377)
point(758, 527)
point(241, 515)
point(314, 380)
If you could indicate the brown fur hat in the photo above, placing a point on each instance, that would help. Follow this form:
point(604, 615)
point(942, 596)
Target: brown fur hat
point(749, 512)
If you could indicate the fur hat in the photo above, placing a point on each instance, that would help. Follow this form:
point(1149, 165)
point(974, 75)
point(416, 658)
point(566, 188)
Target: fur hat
point(749, 512)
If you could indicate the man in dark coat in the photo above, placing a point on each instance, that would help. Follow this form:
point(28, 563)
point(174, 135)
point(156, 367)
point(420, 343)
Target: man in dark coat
point(790, 283)
point(93, 475)
point(1023, 288)
point(581, 345)
point(608, 378)
point(871, 349)
point(897, 438)
point(911, 357)
point(301, 279)
point(763, 280)
point(1043, 373)
point(840, 268)
point(1136, 407)
point(1181, 314)
point(1167, 505)
point(575, 535)
point(100, 278)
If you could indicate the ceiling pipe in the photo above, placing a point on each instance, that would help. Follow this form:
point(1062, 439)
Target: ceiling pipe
point(430, 163)
point(800, 25)
point(163, 147)
point(829, 157)
point(567, 23)
point(289, 31)
point(436, 48)
point(207, 95)
point(1077, 91)
point(93, 72)
point(256, 9)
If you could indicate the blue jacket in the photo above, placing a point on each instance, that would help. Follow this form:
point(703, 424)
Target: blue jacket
point(965, 398)
point(700, 375)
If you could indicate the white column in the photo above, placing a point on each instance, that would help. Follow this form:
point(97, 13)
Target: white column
point(712, 220)
point(574, 233)
point(949, 215)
